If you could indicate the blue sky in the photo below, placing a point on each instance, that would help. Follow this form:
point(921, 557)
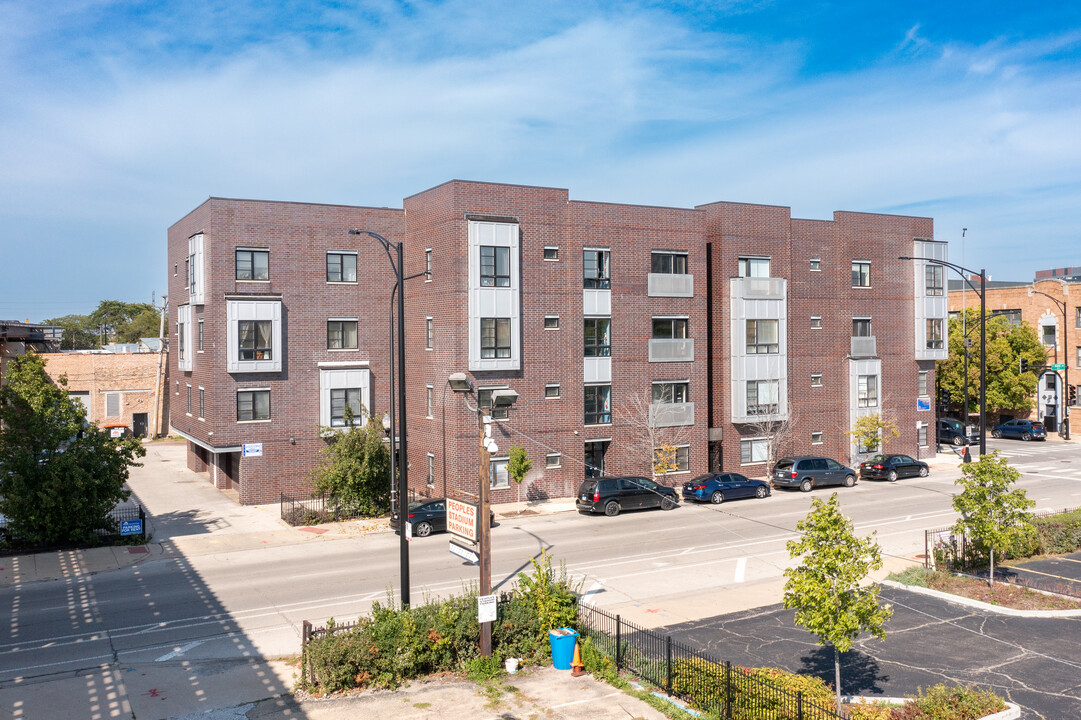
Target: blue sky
point(119, 117)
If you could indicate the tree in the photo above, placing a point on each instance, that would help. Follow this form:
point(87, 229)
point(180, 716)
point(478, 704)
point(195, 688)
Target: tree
point(355, 470)
point(78, 332)
point(648, 436)
point(825, 588)
point(117, 316)
point(145, 324)
point(62, 477)
point(518, 465)
point(991, 512)
point(779, 435)
point(665, 459)
point(1008, 389)
point(872, 432)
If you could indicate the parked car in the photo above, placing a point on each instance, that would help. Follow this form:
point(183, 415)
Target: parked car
point(891, 467)
point(718, 487)
point(612, 495)
point(952, 432)
point(811, 472)
point(1024, 429)
point(428, 516)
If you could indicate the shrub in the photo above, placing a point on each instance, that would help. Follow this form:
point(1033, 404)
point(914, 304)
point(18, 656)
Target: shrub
point(1059, 533)
point(870, 711)
point(704, 683)
point(479, 669)
point(915, 575)
point(950, 703)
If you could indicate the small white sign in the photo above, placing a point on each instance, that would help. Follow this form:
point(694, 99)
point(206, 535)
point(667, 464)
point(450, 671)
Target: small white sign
point(486, 609)
point(408, 531)
point(252, 450)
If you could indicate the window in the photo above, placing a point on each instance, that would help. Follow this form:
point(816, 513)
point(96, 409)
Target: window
point(427, 264)
point(180, 327)
point(498, 476)
point(816, 322)
point(202, 403)
point(200, 336)
point(668, 263)
point(861, 327)
point(112, 404)
point(494, 266)
point(754, 450)
point(551, 252)
point(484, 400)
point(816, 379)
point(816, 437)
point(671, 392)
point(921, 382)
point(861, 273)
point(1048, 333)
point(867, 391)
point(1077, 318)
point(552, 390)
point(255, 339)
point(431, 470)
point(341, 267)
point(596, 270)
point(1013, 316)
point(675, 328)
point(428, 333)
point(189, 401)
point(921, 434)
point(252, 405)
point(341, 334)
point(598, 337)
point(762, 397)
point(252, 264)
point(429, 393)
point(762, 337)
point(1079, 357)
point(553, 460)
point(932, 280)
point(495, 338)
point(598, 404)
point(682, 459)
point(175, 269)
point(934, 334)
point(551, 322)
point(753, 267)
point(342, 398)
point(816, 264)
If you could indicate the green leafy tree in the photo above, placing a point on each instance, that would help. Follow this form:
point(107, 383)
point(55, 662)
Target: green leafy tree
point(992, 511)
point(355, 471)
point(825, 588)
point(1008, 389)
point(79, 333)
point(145, 324)
point(665, 460)
point(61, 477)
point(518, 464)
point(872, 432)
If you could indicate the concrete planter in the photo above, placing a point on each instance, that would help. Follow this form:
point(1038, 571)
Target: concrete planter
point(1012, 712)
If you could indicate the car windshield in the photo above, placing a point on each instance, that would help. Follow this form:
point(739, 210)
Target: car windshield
point(418, 503)
point(783, 465)
point(701, 479)
point(953, 424)
point(877, 459)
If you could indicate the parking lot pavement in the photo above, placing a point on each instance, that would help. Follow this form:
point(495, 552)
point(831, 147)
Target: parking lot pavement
point(1057, 574)
point(1030, 661)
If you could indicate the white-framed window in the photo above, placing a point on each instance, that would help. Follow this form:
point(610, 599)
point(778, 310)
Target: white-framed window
point(754, 267)
point(484, 400)
point(664, 262)
point(861, 273)
point(682, 459)
point(429, 392)
point(816, 437)
point(252, 404)
point(921, 434)
point(933, 280)
point(254, 335)
point(252, 264)
point(202, 403)
point(552, 390)
point(763, 397)
point(816, 379)
point(861, 327)
point(754, 451)
point(816, 264)
point(495, 316)
point(553, 460)
point(255, 340)
point(867, 391)
point(551, 253)
point(195, 271)
point(1048, 335)
point(177, 387)
point(762, 337)
point(498, 475)
point(341, 266)
point(921, 381)
point(427, 264)
point(189, 400)
point(113, 402)
point(671, 392)
point(596, 269)
point(428, 333)
point(342, 334)
point(1077, 317)
point(494, 266)
point(935, 333)
point(597, 334)
point(341, 388)
point(494, 338)
point(816, 322)
point(346, 407)
point(184, 356)
point(431, 470)
point(551, 322)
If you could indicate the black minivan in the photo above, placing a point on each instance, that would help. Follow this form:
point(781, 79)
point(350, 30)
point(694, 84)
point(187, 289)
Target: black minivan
point(612, 495)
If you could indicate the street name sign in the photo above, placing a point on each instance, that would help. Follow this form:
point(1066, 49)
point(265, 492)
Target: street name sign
point(1059, 366)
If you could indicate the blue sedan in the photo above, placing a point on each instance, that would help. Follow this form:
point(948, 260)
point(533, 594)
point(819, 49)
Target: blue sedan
point(718, 487)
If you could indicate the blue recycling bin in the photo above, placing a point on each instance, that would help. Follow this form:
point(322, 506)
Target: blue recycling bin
point(563, 641)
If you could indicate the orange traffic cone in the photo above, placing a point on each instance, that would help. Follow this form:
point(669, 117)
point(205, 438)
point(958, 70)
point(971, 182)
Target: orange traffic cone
point(577, 668)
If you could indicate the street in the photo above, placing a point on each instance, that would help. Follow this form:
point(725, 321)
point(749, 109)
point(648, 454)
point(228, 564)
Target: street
point(220, 594)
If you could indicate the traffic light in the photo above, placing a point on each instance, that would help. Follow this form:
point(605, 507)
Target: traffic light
point(1024, 364)
point(1073, 394)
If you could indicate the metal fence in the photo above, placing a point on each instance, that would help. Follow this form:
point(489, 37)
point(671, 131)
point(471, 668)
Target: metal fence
point(308, 633)
point(110, 535)
point(320, 508)
point(713, 685)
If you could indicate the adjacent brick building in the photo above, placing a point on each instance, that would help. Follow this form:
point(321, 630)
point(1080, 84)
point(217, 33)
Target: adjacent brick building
point(705, 323)
point(115, 388)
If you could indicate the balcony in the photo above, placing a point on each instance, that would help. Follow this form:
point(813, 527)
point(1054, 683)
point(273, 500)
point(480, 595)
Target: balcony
point(671, 414)
point(758, 287)
point(864, 347)
point(665, 285)
point(597, 369)
point(671, 350)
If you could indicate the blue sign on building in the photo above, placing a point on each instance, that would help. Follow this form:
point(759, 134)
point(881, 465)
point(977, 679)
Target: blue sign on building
point(923, 404)
point(131, 527)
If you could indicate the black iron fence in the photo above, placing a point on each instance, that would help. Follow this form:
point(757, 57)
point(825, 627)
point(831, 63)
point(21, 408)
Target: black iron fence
point(714, 686)
point(121, 528)
point(321, 508)
point(945, 549)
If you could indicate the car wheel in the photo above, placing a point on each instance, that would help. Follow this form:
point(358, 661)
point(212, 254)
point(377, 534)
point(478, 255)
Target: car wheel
point(611, 509)
point(892, 477)
point(850, 480)
point(422, 529)
point(923, 472)
point(958, 440)
point(1025, 436)
point(806, 486)
point(996, 434)
point(717, 497)
point(760, 492)
point(667, 503)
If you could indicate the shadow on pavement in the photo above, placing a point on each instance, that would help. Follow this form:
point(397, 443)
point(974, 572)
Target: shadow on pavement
point(860, 673)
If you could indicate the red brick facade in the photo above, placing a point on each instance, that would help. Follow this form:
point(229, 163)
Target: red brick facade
point(130, 379)
point(713, 237)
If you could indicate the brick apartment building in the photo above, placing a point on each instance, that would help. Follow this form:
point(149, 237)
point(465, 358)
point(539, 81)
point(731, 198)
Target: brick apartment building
point(1029, 302)
point(704, 321)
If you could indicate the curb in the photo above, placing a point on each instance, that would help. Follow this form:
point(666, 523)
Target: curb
point(978, 605)
point(1012, 711)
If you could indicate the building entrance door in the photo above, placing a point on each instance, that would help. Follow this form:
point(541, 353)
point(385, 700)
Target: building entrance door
point(139, 424)
point(595, 451)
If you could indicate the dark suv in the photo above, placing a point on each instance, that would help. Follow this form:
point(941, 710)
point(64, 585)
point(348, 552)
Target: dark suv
point(810, 472)
point(611, 495)
point(952, 432)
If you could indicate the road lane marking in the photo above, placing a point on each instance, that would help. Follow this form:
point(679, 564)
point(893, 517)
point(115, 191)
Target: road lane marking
point(180, 651)
point(741, 568)
point(590, 595)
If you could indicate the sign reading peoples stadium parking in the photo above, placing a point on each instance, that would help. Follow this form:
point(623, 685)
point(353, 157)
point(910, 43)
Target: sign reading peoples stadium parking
point(462, 519)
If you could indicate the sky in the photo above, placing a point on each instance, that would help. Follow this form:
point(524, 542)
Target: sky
point(118, 117)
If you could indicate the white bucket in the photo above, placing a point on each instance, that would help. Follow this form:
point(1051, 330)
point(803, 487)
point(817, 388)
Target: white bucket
point(511, 664)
